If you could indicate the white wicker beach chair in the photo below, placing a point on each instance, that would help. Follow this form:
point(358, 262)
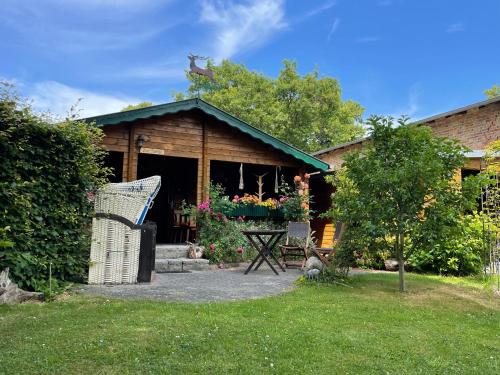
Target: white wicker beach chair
point(114, 252)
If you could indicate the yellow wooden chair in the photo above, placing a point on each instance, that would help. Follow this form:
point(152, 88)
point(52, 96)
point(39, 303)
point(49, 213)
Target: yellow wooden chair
point(329, 243)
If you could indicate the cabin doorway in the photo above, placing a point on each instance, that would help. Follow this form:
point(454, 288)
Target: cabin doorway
point(114, 161)
point(178, 184)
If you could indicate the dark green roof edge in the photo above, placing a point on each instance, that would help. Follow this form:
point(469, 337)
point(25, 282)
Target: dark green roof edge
point(189, 104)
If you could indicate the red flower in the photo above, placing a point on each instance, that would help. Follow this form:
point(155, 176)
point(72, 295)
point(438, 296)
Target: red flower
point(212, 246)
point(240, 250)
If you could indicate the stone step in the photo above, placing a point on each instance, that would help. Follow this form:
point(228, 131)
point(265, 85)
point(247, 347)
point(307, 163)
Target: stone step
point(180, 265)
point(171, 251)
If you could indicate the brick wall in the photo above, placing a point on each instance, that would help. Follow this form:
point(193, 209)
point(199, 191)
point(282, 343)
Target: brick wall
point(475, 128)
point(334, 158)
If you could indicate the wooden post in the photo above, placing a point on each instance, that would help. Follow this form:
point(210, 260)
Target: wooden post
point(205, 162)
point(132, 155)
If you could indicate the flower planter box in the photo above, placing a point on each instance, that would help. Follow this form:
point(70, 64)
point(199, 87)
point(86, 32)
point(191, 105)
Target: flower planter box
point(255, 211)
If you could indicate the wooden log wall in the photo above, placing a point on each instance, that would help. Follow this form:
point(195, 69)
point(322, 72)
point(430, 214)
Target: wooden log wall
point(191, 134)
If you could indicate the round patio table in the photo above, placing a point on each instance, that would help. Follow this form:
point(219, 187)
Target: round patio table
point(264, 247)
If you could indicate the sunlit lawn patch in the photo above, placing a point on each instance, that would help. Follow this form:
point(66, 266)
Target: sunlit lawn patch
point(436, 327)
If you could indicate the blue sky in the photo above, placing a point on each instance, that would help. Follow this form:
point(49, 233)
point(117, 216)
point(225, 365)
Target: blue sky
point(415, 57)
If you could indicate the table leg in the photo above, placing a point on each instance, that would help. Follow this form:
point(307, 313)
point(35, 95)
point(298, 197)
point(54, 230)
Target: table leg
point(267, 247)
point(268, 252)
point(262, 253)
point(258, 254)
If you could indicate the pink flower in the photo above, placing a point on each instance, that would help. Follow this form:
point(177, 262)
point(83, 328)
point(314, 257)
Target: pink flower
point(282, 199)
point(240, 250)
point(241, 218)
point(226, 220)
point(204, 206)
point(90, 196)
point(212, 246)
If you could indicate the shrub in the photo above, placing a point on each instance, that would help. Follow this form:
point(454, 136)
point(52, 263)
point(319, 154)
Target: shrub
point(221, 236)
point(46, 171)
point(295, 202)
point(459, 253)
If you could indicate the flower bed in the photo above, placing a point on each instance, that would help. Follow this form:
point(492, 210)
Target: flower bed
point(221, 220)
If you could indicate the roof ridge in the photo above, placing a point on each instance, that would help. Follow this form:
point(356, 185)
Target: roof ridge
point(209, 109)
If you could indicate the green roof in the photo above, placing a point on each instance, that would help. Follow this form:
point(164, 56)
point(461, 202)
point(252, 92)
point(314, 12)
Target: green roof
point(189, 104)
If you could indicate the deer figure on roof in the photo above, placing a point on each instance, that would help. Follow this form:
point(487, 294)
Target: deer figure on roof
point(196, 69)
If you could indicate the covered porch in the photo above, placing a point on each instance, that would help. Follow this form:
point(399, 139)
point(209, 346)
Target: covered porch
point(191, 144)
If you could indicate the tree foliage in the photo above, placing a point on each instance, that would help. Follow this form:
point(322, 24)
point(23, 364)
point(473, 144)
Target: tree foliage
point(46, 170)
point(305, 111)
point(137, 106)
point(400, 189)
point(492, 92)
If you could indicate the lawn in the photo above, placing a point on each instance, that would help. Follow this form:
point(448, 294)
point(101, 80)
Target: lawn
point(439, 326)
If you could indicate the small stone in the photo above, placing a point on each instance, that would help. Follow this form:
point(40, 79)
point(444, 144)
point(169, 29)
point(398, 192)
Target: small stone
point(391, 265)
point(314, 263)
point(313, 273)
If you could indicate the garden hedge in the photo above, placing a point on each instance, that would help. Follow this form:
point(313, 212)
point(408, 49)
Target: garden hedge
point(47, 169)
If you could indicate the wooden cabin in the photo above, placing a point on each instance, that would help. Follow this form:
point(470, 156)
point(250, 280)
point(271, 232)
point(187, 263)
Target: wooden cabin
point(190, 143)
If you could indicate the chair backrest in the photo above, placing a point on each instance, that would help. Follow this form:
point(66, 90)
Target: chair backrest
point(327, 236)
point(298, 230)
point(332, 234)
point(339, 232)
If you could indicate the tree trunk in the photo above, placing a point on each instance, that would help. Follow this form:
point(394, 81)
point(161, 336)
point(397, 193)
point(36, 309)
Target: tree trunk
point(401, 262)
point(10, 293)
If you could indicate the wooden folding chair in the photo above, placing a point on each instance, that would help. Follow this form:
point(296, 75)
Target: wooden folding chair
point(296, 231)
point(326, 253)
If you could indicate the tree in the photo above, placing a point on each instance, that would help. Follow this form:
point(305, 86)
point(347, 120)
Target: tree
point(305, 111)
point(402, 180)
point(492, 92)
point(137, 106)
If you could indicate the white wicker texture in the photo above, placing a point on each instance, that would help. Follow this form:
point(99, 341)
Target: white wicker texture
point(114, 253)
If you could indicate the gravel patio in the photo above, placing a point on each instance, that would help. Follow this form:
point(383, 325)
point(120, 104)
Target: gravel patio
point(203, 286)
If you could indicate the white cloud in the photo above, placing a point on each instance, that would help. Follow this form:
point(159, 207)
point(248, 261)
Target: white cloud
point(240, 27)
point(320, 9)
point(58, 98)
point(368, 39)
point(455, 28)
point(412, 106)
point(85, 25)
point(335, 26)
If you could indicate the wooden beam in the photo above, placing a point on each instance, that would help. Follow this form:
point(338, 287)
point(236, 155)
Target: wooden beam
point(205, 161)
point(132, 154)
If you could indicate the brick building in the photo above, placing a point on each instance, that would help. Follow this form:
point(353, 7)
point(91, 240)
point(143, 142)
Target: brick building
point(475, 126)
